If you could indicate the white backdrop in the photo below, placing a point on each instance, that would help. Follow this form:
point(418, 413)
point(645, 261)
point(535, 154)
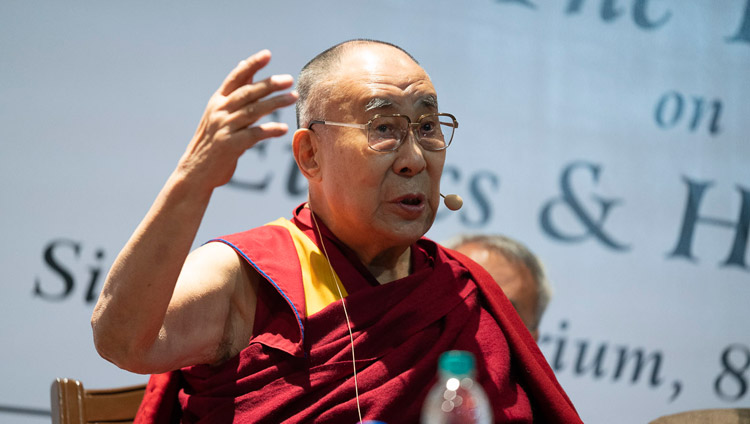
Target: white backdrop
point(611, 136)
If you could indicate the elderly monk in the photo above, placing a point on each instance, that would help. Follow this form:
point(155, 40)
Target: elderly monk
point(251, 327)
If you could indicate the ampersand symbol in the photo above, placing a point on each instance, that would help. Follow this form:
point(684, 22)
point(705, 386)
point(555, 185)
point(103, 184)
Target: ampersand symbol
point(593, 227)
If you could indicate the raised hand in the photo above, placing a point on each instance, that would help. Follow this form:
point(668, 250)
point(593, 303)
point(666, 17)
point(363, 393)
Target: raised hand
point(148, 310)
point(227, 128)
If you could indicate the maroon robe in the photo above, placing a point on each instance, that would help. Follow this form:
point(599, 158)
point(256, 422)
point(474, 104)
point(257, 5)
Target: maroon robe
point(298, 368)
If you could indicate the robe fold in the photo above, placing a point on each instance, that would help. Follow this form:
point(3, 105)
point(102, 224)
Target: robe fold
point(297, 367)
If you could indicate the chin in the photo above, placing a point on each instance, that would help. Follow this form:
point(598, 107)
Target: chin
point(408, 233)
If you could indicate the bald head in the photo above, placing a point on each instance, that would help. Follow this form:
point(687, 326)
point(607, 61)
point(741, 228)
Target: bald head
point(313, 83)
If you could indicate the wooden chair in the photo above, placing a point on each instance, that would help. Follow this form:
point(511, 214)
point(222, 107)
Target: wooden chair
point(72, 404)
point(707, 416)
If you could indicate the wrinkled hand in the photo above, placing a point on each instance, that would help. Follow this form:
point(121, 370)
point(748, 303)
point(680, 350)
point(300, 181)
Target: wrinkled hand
point(227, 127)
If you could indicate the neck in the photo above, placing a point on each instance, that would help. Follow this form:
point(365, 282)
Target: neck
point(385, 264)
point(391, 269)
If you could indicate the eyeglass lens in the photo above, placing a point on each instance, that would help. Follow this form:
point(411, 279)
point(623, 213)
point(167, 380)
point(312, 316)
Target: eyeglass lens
point(433, 132)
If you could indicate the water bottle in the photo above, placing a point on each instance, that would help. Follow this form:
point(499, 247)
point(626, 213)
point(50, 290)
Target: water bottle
point(456, 398)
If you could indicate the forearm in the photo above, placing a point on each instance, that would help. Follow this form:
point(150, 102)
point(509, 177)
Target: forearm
point(130, 312)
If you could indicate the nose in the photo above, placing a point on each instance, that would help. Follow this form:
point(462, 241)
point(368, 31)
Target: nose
point(410, 157)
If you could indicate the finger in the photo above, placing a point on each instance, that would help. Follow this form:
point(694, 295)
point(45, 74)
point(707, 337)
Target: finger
point(249, 114)
point(250, 136)
point(244, 71)
point(252, 92)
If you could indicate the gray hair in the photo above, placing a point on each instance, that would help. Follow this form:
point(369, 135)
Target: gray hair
point(515, 252)
point(311, 91)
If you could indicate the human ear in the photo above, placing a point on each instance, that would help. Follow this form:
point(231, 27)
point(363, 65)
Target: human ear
point(305, 150)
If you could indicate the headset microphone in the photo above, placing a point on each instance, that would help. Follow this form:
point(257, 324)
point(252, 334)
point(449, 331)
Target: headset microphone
point(452, 201)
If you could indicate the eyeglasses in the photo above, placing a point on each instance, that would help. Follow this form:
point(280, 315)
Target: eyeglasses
point(385, 133)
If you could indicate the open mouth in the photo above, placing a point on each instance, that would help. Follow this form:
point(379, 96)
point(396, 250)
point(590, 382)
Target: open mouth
point(411, 201)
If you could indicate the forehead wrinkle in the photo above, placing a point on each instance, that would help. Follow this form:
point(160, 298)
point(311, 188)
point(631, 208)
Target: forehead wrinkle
point(365, 87)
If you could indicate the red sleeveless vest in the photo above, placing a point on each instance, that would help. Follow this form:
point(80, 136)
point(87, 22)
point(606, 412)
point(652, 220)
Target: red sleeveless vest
point(297, 367)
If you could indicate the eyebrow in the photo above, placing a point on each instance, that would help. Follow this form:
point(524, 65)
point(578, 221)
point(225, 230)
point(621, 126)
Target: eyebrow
point(429, 101)
point(378, 103)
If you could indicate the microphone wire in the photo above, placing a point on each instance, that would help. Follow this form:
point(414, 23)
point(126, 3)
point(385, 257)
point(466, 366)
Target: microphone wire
point(346, 314)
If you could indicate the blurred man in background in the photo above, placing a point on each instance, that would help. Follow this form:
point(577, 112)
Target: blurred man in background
point(515, 268)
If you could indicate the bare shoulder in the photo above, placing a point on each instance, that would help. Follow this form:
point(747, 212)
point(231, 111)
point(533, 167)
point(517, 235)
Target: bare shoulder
point(215, 271)
point(216, 292)
point(213, 262)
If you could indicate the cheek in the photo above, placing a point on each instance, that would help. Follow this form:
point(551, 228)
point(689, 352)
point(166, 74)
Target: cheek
point(435, 164)
point(435, 169)
point(355, 177)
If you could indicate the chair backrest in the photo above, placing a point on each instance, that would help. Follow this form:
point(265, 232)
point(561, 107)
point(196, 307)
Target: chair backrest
point(707, 416)
point(72, 404)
